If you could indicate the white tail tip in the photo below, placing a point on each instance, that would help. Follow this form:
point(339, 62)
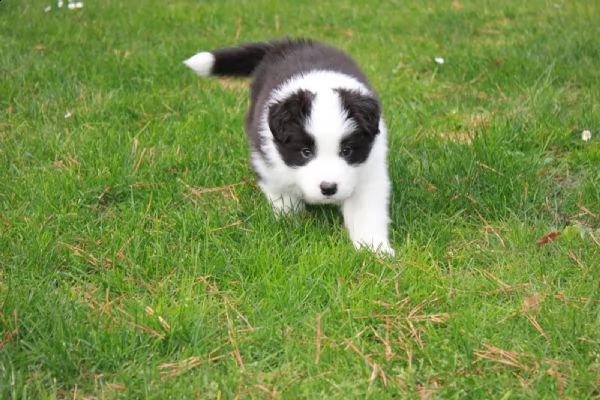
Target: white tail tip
point(201, 63)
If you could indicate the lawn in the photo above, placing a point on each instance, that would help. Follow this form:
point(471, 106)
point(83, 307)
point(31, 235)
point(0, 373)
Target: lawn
point(138, 258)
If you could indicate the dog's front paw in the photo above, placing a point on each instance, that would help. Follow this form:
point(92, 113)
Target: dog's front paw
point(282, 208)
point(382, 248)
point(284, 204)
point(385, 250)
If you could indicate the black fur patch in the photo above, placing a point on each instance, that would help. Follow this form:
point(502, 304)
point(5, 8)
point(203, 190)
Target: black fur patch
point(360, 143)
point(365, 112)
point(286, 122)
point(239, 61)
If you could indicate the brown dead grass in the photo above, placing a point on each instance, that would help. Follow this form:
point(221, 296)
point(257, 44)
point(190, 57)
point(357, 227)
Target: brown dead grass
point(393, 331)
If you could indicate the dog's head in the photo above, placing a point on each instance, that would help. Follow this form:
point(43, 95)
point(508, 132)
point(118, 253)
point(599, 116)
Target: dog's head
point(325, 137)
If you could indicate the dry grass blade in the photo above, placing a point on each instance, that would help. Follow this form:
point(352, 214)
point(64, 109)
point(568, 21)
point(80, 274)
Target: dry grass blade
point(376, 368)
point(489, 227)
point(495, 279)
point(233, 342)
point(575, 259)
point(586, 211)
point(396, 306)
point(172, 369)
point(497, 355)
point(107, 310)
point(389, 354)
point(408, 324)
point(437, 318)
point(236, 223)
point(537, 326)
point(532, 303)
point(214, 289)
point(462, 137)
point(484, 166)
point(231, 332)
point(508, 289)
point(89, 257)
point(238, 28)
point(227, 191)
point(418, 308)
point(139, 161)
point(318, 340)
point(239, 314)
point(561, 379)
point(117, 386)
point(12, 333)
point(594, 238)
point(272, 393)
point(234, 84)
point(424, 392)
point(163, 322)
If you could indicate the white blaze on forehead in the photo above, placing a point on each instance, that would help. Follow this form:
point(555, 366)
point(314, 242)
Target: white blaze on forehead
point(328, 123)
point(318, 82)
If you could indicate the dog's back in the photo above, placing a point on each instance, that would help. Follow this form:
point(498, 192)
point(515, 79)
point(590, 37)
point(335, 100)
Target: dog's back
point(273, 63)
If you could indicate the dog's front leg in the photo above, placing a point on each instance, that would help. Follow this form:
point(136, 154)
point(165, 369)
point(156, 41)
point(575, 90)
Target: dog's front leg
point(283, 203)
point(366, 217)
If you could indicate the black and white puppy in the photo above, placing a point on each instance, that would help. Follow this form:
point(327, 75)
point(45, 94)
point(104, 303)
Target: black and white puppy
point(316, 131)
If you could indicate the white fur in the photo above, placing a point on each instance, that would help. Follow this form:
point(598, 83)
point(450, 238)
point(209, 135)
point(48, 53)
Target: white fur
point(363, 190)
point(201, 63)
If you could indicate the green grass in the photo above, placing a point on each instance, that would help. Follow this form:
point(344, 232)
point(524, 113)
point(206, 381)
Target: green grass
point(121, 277)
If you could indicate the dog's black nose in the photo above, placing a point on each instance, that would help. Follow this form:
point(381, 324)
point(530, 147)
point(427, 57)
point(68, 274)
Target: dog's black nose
point(328, 188)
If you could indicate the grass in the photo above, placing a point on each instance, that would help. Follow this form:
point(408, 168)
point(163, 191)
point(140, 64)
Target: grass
point(138, 259)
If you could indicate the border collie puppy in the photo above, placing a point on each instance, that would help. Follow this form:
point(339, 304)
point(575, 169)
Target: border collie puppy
point(316, 131)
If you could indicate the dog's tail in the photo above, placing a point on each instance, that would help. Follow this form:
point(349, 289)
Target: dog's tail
point(238, 61)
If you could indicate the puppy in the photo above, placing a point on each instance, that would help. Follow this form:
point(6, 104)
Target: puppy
point(315, 129)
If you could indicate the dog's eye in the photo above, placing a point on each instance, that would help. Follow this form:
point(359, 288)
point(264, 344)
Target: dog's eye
point(306, 152)
point(346, 151)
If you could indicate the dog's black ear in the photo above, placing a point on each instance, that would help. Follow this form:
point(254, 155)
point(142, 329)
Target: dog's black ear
point(361, 108)
point(289, 114)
